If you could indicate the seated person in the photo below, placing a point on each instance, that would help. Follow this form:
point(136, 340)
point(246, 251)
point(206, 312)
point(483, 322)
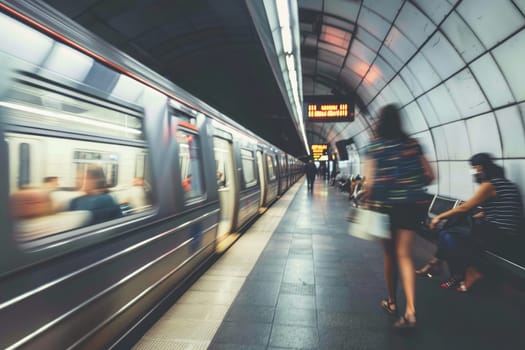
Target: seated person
point(356, 192)
point(34, 217)
point(502, 216)
point(96, 199)
point(221, 182)
point(186, 183)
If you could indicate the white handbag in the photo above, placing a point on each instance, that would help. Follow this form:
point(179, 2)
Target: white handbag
point(370, 225)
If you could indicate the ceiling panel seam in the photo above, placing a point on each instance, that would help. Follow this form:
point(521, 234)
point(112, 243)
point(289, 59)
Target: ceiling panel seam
point(379, 49)
point(418, 50)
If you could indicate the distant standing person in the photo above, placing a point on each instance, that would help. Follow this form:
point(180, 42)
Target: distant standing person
point(396, 174)
point(311, 171)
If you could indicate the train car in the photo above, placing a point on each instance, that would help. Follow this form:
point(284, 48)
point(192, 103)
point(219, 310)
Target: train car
point(283, 172)
point(268, 173)
point(116, 186)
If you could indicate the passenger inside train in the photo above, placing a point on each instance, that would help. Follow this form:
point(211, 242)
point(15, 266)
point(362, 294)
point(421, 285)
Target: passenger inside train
point(96, 200)
point(186, 183)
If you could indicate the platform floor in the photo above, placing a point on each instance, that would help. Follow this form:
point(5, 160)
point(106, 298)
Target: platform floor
point(297, 280)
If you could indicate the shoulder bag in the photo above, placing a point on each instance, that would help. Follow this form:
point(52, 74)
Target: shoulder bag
point(370, 225)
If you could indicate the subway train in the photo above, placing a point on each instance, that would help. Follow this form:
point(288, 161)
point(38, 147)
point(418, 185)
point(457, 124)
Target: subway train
point(116, 185)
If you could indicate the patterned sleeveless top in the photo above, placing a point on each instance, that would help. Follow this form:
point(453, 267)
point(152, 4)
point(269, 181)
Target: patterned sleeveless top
point(399, 176)
point(506, 209)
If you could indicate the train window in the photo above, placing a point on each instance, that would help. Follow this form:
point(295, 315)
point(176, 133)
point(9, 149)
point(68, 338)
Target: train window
point(248, 168)
point(190, 165)
point(23, 165)
point(62, 184)
point(271, 167)
point(49, 106)
point(220, 173)
point(223, 162)
point(72, 184)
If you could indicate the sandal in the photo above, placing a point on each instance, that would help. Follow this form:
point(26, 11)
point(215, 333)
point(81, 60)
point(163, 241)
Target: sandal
point(431, 269)
point(451, 283)
point(405, 322)
point(389, 307)
point(462, 288)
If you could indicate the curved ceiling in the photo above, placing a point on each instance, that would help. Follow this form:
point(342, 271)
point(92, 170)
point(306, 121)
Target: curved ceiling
point(454, 67)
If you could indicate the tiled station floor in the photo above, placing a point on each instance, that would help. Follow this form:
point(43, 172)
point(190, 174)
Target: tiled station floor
point(297, 280)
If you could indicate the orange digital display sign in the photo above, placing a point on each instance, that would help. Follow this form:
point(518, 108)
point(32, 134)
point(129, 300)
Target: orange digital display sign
point(328, 109)
point(318, 149)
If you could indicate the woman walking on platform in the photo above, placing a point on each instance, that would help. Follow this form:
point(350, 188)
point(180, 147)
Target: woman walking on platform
point(396, 174)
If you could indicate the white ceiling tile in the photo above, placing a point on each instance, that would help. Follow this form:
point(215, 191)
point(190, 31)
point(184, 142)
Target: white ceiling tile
point(492, 81)
point(400, 44)
point(512, 133)
point(387, 9)
point(342, 8)
point(435, 9)
point(402, 91)
point(461, 184)
point(442, 56)
point(428, 110)
point(373, 23)
point(332, 48)
point(427, 144)
point(520, 4)
point(366, 92)
point(340, 23)
point(391, 58)
point(412, 112)
point(484, 135)
point(368, 39)
point(331, 58)
point(443, 104)
point(440, 140)
point(443, 177)
point(491, 20)
point(462, 37)
point(414, 24)
point(349, 78)
point(357, 65)
point(386, 71)
point(457, 141)
point(389, 95)
point(515, 172)
point(424, 72)
point(411, 81)
point(363, 52)
point(510, 57)
point(466, 93)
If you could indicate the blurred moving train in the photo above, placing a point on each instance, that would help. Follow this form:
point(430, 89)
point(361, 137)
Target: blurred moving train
point(115, 187)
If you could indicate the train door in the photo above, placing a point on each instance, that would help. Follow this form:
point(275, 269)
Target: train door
point(262, 177)
point(225, 184)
